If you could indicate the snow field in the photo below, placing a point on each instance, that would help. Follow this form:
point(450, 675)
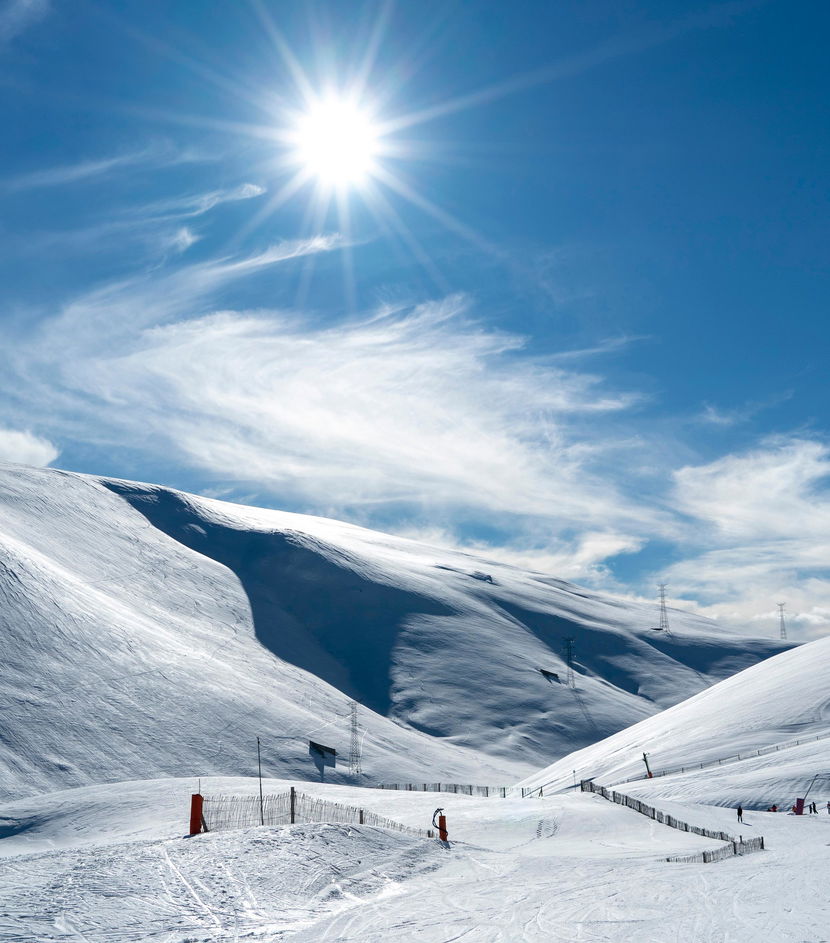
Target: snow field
point(572, 867)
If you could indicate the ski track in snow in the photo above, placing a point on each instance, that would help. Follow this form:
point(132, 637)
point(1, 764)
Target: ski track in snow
point(558, 870)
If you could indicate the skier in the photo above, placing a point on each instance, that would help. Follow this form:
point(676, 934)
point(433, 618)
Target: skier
point(740, 814)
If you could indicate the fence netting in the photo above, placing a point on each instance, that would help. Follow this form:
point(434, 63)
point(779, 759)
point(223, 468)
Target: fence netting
point(291, 808)
point(460, 789)
point(222, 812)
point(733, 846)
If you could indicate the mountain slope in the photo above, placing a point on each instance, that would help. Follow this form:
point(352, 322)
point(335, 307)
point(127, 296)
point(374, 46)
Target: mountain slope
point(148, 632)
point(775, 703)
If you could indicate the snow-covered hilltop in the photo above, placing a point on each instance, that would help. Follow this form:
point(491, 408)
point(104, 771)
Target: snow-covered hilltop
point(756, 738)
point(150, 633)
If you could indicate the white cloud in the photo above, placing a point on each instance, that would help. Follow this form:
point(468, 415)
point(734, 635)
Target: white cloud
point(421, 406)
point(580, 560)
point(155, 154)
point(726, 418)
point(16, 16)
point(180, 240)
point(765, 515)
point(417, 406)
point(773, 491)
point(74, 173)
point(200, 203)
point(25, 448)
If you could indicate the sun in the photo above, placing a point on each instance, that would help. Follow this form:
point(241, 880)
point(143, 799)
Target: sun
point(336, 142)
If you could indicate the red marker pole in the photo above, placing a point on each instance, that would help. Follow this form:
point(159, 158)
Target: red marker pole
point(196, 801)
point(442, 827)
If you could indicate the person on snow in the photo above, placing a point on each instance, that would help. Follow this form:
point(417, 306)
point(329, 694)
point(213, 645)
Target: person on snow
point(740, 814)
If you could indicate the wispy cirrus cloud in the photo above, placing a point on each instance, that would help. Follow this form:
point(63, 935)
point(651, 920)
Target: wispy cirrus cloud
point(764, 518)
point(420, 406)
point(155, 226)
point(416, 406)
point(75, 172)
point(198, 204)
point(156, 154)
point(16, 16)
point(726, 418)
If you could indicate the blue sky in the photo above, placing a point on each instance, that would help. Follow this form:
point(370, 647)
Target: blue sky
point(573, 315)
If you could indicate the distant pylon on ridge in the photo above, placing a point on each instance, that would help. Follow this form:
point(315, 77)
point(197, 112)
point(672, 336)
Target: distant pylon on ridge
point(664, 612)
point(783, 623)
point(354, 749)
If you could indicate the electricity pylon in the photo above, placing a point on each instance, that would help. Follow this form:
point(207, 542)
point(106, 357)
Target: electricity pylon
point(570, 682)
point(664, 612)
point(783, 624)
point(354, 750)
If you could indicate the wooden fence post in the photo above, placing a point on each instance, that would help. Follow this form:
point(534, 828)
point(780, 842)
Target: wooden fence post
point(293, 804)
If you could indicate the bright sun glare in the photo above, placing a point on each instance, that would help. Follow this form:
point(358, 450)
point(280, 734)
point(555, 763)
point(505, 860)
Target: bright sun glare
point(336, 142)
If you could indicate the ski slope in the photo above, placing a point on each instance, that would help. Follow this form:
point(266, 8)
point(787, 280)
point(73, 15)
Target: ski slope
point(108, 864)
point(152, 633)
point(773, 704)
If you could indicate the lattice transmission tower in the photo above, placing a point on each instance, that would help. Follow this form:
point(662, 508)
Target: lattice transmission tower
point(568, 645)
point(664, 612)
point(781, 617)
point(354, 748)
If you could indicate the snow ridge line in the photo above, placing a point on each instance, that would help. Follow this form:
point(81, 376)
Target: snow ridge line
point(734, 846)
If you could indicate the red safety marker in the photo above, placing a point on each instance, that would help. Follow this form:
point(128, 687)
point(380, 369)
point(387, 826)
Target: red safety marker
point(196, 801)
point(441, 824)
point(442, 827)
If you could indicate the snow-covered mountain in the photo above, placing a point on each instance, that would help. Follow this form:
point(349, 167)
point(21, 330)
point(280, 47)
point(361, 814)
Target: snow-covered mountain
point(757, 738)
point(149, 633)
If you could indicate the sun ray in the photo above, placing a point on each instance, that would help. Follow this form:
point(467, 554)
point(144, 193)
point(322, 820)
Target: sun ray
point(296, 71)
point(344, 216)
point(313, 220)
point(384, 213)
point(358, 83)
point(282, 196)
point(394, 182)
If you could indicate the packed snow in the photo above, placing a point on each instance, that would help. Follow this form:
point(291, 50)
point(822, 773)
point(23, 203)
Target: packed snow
point(110, 863)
